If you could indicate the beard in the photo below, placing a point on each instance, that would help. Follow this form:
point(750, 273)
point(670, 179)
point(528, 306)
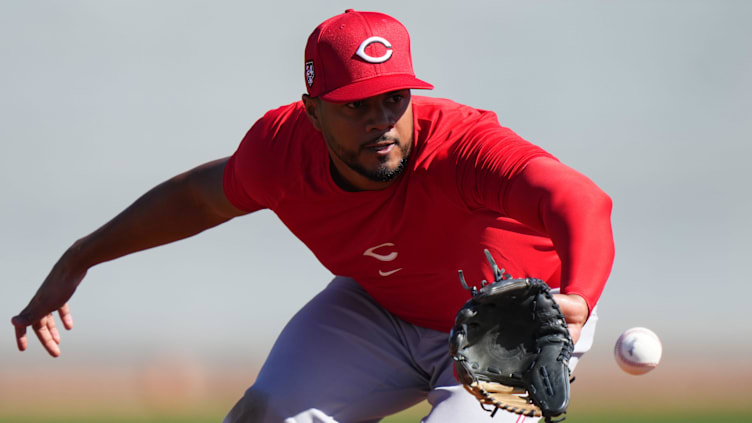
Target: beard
point(382, 173)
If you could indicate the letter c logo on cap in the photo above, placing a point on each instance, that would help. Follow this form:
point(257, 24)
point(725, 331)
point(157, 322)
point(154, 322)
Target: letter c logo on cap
point(370, 59)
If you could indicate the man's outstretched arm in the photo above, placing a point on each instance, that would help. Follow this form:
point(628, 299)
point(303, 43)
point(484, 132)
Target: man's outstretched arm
point(178, 208)
point(561, 202)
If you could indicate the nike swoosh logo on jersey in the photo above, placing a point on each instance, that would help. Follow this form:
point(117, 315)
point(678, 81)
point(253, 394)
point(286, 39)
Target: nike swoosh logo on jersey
point(391, 272)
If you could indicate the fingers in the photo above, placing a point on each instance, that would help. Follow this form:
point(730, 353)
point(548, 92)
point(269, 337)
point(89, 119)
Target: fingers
point(21, 340)
point(52, 328)
point(66, 317)
point(44, 331)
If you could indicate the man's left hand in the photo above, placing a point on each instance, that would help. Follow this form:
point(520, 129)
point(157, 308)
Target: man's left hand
point(575, 311)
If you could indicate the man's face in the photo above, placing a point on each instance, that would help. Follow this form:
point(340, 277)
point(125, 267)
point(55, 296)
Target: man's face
point(369, 140)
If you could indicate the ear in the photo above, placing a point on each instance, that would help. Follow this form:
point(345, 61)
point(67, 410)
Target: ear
point(312, 109)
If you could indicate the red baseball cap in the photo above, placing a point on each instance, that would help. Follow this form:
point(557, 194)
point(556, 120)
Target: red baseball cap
point(357, 55)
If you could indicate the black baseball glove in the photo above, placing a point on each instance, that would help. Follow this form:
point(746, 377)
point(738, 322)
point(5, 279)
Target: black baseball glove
point(511, 347)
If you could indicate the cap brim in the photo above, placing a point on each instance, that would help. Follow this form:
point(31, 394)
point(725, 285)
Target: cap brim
point(375, 86)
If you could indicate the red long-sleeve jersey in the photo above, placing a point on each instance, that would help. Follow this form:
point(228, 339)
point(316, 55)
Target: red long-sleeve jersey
point(470, 184)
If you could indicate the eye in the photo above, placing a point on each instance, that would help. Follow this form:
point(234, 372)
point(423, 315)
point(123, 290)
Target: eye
point(355, 105)
point(396, 98)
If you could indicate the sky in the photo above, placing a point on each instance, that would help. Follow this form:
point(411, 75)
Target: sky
point(102, 100)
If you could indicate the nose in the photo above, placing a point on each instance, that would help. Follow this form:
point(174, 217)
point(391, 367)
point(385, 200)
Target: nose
point(381, 118)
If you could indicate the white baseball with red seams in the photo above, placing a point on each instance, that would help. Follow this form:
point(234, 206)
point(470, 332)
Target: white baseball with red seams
point(638, 350)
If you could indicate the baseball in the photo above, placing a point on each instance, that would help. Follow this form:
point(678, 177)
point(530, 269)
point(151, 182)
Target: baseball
point(638, 351)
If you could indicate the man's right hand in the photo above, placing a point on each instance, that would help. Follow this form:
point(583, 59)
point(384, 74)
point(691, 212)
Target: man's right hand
point(52, 296)
point(180, 207)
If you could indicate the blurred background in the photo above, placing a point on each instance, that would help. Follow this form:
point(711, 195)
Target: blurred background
point(100, 101)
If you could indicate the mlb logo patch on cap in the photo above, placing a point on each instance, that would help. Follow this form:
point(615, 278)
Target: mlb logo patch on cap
point(309, 73)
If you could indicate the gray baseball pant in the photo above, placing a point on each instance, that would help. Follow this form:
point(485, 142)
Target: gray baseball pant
point(344, 358)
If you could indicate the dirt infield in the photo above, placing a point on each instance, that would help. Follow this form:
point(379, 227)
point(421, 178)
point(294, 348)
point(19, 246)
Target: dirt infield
point(170, 385)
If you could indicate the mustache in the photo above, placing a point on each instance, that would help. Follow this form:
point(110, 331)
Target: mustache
point(381, 138)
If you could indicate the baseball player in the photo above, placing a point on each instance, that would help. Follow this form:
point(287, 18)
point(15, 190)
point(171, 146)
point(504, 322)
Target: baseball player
point(393, 193)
